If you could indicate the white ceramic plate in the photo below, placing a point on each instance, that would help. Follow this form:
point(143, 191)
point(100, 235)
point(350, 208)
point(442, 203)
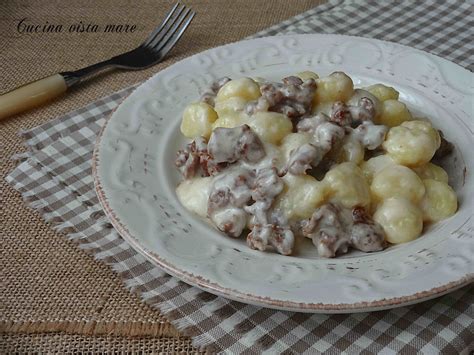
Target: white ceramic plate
point(136, 179)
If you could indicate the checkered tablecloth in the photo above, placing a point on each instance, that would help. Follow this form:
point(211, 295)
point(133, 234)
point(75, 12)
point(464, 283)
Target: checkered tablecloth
point(54, 177)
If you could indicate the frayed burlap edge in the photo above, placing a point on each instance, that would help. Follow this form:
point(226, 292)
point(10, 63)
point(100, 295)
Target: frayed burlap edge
point(177, 326)
point(91, 328)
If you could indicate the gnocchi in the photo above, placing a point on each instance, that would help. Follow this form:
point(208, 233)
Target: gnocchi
point(271, 127)
point(230, 106)
point(413, 143)
point(394, 113)
point(401, 220)
point(193, 194)
point(397, 180)
point(197, 120)
point(347, 185)
point(432, 171)
point(374, 165)
point(440, 201)
point(305, 75)
point(244, 88)
point(311, 157)
point(335, 87)
point(383, 92)
point(229, 121)
point(301, 196)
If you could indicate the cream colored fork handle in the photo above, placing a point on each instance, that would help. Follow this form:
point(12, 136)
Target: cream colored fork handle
point(31, 95)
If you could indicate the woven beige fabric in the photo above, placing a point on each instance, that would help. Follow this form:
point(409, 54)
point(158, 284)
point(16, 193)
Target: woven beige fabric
point(70, 344)
point(48, 284)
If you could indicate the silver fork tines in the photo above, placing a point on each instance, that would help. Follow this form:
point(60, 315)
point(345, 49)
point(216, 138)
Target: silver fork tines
point(157, 30)
point(158, 43)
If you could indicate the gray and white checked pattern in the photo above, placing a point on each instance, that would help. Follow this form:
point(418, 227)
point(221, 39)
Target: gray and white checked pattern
point(444, 28)
point(55, 178)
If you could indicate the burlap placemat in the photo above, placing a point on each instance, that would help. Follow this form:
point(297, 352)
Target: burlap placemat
point(48, 285)
point(425, 312)
point(84, 344)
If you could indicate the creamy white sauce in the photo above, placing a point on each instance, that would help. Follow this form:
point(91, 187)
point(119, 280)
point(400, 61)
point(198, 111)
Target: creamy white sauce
point(371, 136)
point(359, 94)
point(333, 229)
point(246, 175)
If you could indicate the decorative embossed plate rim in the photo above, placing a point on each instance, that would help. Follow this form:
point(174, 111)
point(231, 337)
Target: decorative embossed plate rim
point(135, 182)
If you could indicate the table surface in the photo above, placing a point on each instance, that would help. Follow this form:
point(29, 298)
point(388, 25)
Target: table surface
point(54, 295)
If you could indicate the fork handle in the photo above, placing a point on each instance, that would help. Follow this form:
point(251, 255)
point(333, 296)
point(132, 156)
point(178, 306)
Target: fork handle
point(31, 95)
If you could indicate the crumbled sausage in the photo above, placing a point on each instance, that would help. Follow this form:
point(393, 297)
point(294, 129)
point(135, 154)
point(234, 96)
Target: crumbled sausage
point(334, 229)
point(347, 115)
point(371, 136)
point(444, 149)
point(230, 193)
point(310, 124)
point(268, 232)
point(340, 114)
point(366, 234)
point(230, 206)
point(209, 95)
point(193, 157)
point(228, 145)
point(304, 158)
point(264, 237)
point(267, 185)
point(293, 97)
point(363, 111)
point(326, 229)
point(231, 221)
point(363, 106)
point(326, 135)
point(368, 105)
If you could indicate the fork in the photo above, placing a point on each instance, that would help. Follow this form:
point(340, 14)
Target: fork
point(155, 47)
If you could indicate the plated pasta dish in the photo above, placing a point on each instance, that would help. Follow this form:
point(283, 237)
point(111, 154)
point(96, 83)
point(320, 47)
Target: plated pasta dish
point(312, 157)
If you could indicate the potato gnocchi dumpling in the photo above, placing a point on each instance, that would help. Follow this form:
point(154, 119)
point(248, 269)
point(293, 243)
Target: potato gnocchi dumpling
point(230, 120)
point(374, 165)
point(301, 196)
point(335, 87)
point(244, 88)
point(397, 181)
point(193, 194)
point(432, 171)
point(197, 120)
point(440, 201)
point(383, 92)
point(347, 185)
point(394, 113)
point(305, 75)
point(230, 106)
point(413, 143)
point(423, 125)
point(313, 157)
point(271, 127)
point(401, 220)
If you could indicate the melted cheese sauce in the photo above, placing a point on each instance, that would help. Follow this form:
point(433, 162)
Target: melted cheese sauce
point(239, 195)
